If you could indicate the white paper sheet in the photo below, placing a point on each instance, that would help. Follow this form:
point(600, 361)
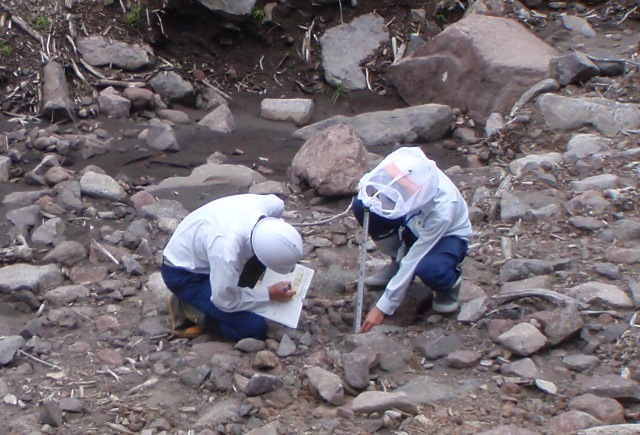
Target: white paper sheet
point(287, 313)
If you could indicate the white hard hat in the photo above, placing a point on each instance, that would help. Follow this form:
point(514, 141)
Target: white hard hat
point(276, 244)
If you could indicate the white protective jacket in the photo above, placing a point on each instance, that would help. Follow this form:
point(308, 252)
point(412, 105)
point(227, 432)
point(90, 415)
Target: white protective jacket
point(445, 215)
point(215, 239)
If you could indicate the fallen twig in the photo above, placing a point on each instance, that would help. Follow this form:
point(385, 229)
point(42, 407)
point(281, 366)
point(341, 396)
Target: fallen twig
point(119, 428)
point(104, 251)
point(148, 383)
point(390, 21)
point(72, 29)
point(48, 364)
point(73, 44)
point(120, 83)
point(324, 221)
point(25, 27)
point(109, 372)
point(93, 70)
point(77, 71)
point(635, 8)
point(160, 22)
point(282, 61)
point(366, 76)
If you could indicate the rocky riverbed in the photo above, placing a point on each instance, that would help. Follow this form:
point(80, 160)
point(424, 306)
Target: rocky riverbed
point(532, 109)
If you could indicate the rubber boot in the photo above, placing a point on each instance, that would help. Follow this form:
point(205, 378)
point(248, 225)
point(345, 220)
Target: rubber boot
point(446, 302)
point(388, 246)
point(186, 321)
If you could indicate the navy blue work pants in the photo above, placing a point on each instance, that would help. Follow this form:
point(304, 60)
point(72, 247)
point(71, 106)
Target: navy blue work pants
point(439, 268)
point(195, 289)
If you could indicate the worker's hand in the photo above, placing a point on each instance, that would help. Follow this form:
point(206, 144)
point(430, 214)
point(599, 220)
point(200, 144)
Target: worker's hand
point(374, 318)
point(281, 291)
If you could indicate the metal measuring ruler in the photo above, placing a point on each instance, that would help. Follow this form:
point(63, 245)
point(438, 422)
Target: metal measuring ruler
point(363, 259)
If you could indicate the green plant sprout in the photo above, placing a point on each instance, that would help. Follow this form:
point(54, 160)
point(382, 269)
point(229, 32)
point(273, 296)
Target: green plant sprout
point(257, 15)
point(42, 23)
point(339, 92)
point(135, 16)
point(442, 19)
point(5, 49)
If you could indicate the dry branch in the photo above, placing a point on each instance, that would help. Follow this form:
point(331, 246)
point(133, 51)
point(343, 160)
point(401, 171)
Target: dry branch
point(550, 295)
point(77, 71)
point(104, 251)
point(93, 70)
point(25, 27)
point(206, 82)
point(120, 84)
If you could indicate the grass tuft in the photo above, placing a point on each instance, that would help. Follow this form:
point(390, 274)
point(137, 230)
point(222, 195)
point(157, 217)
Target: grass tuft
point(135, 16)
point(257, 15)
point(5, 49)
point(42, 23)
point(338, 93)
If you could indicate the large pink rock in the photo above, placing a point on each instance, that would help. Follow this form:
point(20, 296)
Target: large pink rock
point(481, 64)
point(332, 161)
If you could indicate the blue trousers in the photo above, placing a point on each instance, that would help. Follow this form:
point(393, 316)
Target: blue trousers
point(439, 268)
point(195, 289)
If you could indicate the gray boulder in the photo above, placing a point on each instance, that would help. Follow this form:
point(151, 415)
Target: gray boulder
point(101, 186)
point(298, 110)
point(233, 7)
point(21, 276)
point(481, 64)
point(9, 346)
point(219, 120)
point(340, 60)
point(423, 123)
point(173, 88)
point(99, 51)
point(572, 68)
point(112, 104)
point(237, 176)
point(608, 117)
point(160, 136)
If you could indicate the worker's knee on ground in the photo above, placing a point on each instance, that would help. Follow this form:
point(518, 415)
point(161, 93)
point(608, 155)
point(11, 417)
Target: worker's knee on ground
point(436, 275)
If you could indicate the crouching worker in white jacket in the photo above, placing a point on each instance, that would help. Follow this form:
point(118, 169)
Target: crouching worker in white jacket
point(420, 219)
point(215, 258)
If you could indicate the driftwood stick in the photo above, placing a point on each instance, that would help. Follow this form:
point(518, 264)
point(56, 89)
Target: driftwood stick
point(550, 295)
point(120, 428)
point(92, 70)
point(148, 383)
point(25, 27)
point(120, 84)
point(206, 82)
point(77, 71)
point(53, 366)
point(106, 253)
point(73, 44)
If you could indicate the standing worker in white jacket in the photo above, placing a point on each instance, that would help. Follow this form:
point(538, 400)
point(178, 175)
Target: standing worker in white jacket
point(215, 258)
point(419, 219)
